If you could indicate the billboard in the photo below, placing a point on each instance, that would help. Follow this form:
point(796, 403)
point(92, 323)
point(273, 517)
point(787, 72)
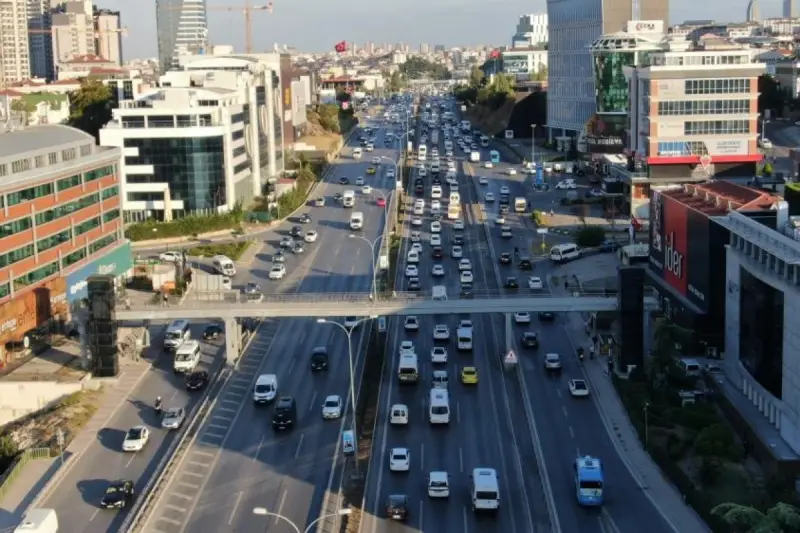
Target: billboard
point(115, 262)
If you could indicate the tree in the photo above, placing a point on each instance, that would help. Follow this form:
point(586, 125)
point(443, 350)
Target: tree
point(417, 68)
point(476, 78)
point(396, 81)
point(590, 236)
point(540, 74)
point(90, 107)
point(782, 518)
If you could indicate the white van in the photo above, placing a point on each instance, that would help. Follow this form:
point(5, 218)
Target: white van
point(186, 357)
point(690, 367)
point(561, 253)
point(224, 265)
point(484, 490)
point(413, 256)
point(439, 407)
point(349, 198)
point(357, 220)
point(408, 369)
point(177, 332)
point(439, 292)
point(464, 336)
point(357, 153)
point(266, 388)
point(436, 192)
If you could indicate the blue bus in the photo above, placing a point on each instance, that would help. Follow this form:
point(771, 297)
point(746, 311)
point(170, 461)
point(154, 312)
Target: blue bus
point(589, 481)
point(495, 156)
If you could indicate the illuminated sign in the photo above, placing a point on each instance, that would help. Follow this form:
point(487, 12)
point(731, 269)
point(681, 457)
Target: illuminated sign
point(673, 259)
point(645, 26)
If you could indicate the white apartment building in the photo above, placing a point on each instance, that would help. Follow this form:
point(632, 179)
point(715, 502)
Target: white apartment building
point(108, 35)
point(15, 64)
point(523, 62)
point(73, 31)
point(531, 31)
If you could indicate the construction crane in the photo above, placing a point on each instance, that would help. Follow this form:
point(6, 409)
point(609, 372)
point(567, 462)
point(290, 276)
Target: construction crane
point(96, 33)
point(247, 10)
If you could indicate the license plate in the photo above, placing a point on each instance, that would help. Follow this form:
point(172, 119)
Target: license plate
point(397, 516)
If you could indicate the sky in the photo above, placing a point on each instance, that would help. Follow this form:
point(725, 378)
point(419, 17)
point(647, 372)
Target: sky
point(316, 25)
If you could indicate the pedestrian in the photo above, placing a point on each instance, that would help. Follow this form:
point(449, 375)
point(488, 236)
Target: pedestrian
point(566, 285)
point(166, 298)
point(552, 212)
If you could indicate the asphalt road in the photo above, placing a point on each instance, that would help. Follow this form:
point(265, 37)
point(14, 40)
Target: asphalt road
point(78, 496)
point(238, 462)
point(487, 428)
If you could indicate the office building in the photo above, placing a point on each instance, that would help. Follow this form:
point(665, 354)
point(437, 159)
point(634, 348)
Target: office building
point(531, 31)
point(60, 220)
point(181, 28)
point(73, 31)
point(108, 35)
point(15, 64)
point(752, 13)
point(524, 62)
point(573, 25)
point(790, 9)
point(40, 39)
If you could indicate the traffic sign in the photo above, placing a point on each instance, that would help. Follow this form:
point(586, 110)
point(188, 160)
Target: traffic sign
point(541, 231)
point(510, 358)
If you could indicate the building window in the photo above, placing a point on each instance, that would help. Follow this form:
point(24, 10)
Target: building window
point(20, 165)
point(610, 81)
point(54, 240)
point(15, 256)
point(681, 148)
point(39, 161)
point(238, 117)
point(66, 209)
point(236, 135)
point(52, 157)
point(718, 86)
point(132, 122)
point(704, 107)
point(161, 121)
point(98, 173)
point(99, 244)
point(5, 290)
point(86, 150)
point(105, 194)
point(13, 227)
point(3, 170)
point(29, 194)
point(716, 127)
point(69, 154)
point(186, 121)
point(37, 275)
point(239, 150)
point(74, 257)
point(68, 183)
point(244, 165)
point(87, 226)
point(113, 214)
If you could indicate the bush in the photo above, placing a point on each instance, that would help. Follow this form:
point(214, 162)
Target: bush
point(538, 218)
point(233, 250)
point(590, 236)
point(717, 440)
point(295, 198)
point(694, 417)
point(183, 227)
point(8, 452)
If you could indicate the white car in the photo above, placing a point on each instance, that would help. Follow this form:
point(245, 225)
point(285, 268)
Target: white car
point(407, 347)
point(436, 226)
point(578, 387)
point(522, 317)
point(416, 221)
point(173, 418)
point(412, 271)
point(416, 236)
point(441, 332)
point(277, 272)
point(135, 439)
point(169, 257)
point(464, 264)
point(567, 184)
point(436, 239)
point(411, 323)
point(311, 236)
point(436, 205)
point(360, 180)
point(438, 485)
point(483, 181)
point(488, 164)
point(505, 190)
point(332, 408)
point(489, 197)
point(466, 276)
point(457, 252)
point(399, 460)
point(765, 143)
point(370, 147)
point(416, 247)
point(439, 355)
point(437, 271)
point(535, 284)
point(366, 189)
point(458, 224)
point(376, 160)
point(398, 414)
point(512, 172)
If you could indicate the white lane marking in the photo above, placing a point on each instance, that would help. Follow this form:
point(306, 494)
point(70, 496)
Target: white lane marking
point(313, 401)
point(464, 516)
point(558, 391)
point(279, 511)
point(258, 450)
point(174, 394)
point(133, 456)
point(458, 413)
point(422, 458)
point(299, 445)
point(94, 514)
point(219, 426)
point(175, 508)
point(291, 366)
point(169, 521)
point(571, 431)
point(421, 514)
point(235, 507)
point(564, 410)
point(461, 460)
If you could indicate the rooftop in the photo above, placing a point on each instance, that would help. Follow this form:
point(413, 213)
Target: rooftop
point(14, 143)
point(719, 198)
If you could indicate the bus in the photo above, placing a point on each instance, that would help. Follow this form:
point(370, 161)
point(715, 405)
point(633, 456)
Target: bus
point(484, 140)
point(422, 153)
point(589, 481)
point(494, 155)
point(520, 204)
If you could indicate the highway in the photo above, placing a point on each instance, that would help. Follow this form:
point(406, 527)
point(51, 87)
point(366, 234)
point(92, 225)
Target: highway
point(488, 427)
point(77, 498)
point(238, 462)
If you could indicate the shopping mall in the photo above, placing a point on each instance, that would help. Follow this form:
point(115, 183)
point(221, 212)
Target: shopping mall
point(59, 223)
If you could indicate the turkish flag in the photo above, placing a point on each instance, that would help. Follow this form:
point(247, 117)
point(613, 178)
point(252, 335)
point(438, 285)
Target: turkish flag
point(340, 47)
point(636, 224)
point(495, 54)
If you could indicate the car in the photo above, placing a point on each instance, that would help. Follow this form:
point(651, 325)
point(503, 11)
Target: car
point(298, 248)
point(196, 380)
point(458, 224)
point(416, 247)
point(466, 290)
point(489, 197)
point(351, 321)
point(503, 206)
point(436, 226)
point(456, 252)
point(407, 347)
point(344, 181)
point(464, 264)
point(511, 172)
point(535, 283)
point(525, 263)
point(552, 362)
point(253, 292)
point(578, 388)
point(286, 242)
point(337, 197)
point(118, 494)
point(376, 160)
point(212, 332)
point(505, 190)
point(438, 484)
point(609, 246)
point(466, 276)
point(319, 202)
point(436, 239)
point(381, 202)
point(277, 272)
point(458, 239)
point(371, 171)
point(311, 236)
point(397, 507)
point(332, 408)
point(500, 220)
point(529, 340)
point(436, 205)
point(595, 193)
point(522, 317)
point(398, 414)
point(170, 257)
point(279, 257)
point(505, 258)
point(511, 283)
point(437, 271)
point(411, 323)
point(416, 221)
point(360, 181)
point(416, 236)
point(399, 460)
point(173, 418)
point(366, 190)
point(487, 164)
point(296, 231)
point(505, 232)
point(568, 183)
point(319, 359)
point(370, 147)
point(765, 143)
point(441, 332)
point(413, 285)
point(546, 316)
point(412, 271)
point(439, 355)
point(469, 375)
point(390, 173)
point(305, 218)
point(135, 439)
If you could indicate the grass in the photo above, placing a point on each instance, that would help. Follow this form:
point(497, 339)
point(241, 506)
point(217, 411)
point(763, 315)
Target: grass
point(233, 250)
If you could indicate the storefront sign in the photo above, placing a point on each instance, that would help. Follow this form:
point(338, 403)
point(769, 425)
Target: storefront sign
point(727, 147)
point(114, 263)
point(516, 64)
point(645, 26)
point(673, 259)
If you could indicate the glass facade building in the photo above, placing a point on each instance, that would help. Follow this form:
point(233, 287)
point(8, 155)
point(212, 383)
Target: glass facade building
point(181, 27)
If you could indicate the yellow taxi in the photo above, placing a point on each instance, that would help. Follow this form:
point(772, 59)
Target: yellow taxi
point(371, 170)
point(469, 375)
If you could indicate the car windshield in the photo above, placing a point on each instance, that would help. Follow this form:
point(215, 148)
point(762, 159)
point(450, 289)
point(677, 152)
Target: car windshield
point(112, 489)
point(438, 484)
point(135, 433)
point(331, 403)
point(399, 456)
point(580, 385)
point(173, 413)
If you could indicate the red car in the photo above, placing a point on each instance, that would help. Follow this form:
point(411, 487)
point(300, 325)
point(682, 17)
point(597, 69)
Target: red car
point(381, 202)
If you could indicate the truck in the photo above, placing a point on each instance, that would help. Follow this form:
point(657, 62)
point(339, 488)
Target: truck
point(475, 156)
point(435, 137)
point(38, 521)
point(162, 276)
point(210, 286)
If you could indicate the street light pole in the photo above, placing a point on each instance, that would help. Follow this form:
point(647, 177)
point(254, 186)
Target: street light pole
point(372, 245)
point(533, 145)
point(263, 511)
point(349, 333)
point(646, 426)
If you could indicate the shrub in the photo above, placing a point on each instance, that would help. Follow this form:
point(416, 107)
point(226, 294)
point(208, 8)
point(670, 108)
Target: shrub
point(695, 417)
point(295, 198)
point(183, 227)
point(589, 236)
point(717, 440)
point(538, 218)
point(233, 250)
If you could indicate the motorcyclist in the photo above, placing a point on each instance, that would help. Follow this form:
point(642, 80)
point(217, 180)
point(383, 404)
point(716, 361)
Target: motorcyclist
point(158, 403)
point(580, 353)
point(591, 352)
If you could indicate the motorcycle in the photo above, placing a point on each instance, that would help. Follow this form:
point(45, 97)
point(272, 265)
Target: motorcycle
point(157, 406)
point(580, 354)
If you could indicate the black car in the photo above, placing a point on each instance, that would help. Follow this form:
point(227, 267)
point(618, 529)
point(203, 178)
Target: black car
point(305, 218)
point(525, 264)
point(529, 340)
point(212, 331)
point(547, 316)
point(458, 240)
point(504, 201)
point(466, 290)
point(505, 258)
point(319, 359)
point(437, 252)
point(609, 246)
point(197, 380)
point(118, 495)
point(414, 284)
point(285, 413)
point(511, 283)
point(503, 208)
point(296, 231)
point(344, 181)
point(419, 189)
point(337, 197)
point(397, 507)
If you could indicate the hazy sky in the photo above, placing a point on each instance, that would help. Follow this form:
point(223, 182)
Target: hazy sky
point(315, 25)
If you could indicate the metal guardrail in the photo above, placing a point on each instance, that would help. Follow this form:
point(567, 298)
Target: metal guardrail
point(17, 466)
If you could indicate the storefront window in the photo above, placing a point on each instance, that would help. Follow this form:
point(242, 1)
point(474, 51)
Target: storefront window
point(37, 275)
point(610, 82)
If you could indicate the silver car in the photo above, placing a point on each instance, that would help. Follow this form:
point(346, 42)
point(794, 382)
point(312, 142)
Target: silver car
point(173, 418)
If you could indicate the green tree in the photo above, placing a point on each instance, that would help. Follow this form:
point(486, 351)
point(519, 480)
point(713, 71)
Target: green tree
point(396, 81)
point(717, 440)
point(767, 170)
point(8, 452)
point(771, 96)
point(540, 74)
point(781, 518)
point(590, 236)
point(417, 68)
point(476, 77)
point(90, 107)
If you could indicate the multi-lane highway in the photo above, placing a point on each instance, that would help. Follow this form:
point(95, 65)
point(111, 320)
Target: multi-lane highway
point(77, 498)
point(238, 461)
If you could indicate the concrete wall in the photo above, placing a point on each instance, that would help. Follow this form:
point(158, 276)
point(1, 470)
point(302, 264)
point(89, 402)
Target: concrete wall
point(21, 398)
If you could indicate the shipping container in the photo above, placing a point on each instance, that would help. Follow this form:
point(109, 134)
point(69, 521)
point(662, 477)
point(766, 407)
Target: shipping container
point(29, 310)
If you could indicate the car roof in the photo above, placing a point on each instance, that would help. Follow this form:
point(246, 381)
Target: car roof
point(438, 475)
point(332, 397)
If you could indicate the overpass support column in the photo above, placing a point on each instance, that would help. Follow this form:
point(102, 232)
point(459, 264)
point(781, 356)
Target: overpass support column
point(233, 340)
point(509, 333)
point(647, 331)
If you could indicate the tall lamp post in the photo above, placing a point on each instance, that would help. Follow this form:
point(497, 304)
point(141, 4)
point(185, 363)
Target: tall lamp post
point(372, 245)
point(263, 511)
point(533, 145)
point(349, 333)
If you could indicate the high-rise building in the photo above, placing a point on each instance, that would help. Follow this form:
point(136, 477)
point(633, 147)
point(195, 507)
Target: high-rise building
point(40, 39)
point(424, 48)
point(573, 25)
point(73, 31)
point(181, 28)
point(790, 9)
point(108, 32)
point(752, 14)
point(15, 62)
point(531, 30)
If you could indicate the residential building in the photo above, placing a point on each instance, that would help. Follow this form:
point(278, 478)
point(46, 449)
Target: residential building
point(181, 28)
point(59, 218)
point(40, 39)
point(787, 74)
point(531, 30)
point(525, 62)
point(80, 66)
point(573, 25)
point(73, 31)
point(15, 64)
point(108, 32)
